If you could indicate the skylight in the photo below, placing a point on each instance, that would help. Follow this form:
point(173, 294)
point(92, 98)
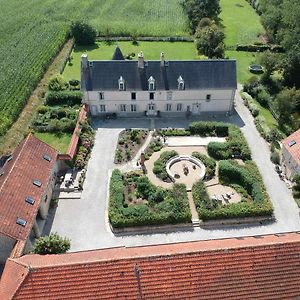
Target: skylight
point(292, 143)
point(21, 222)
point(37, 183)
point(29, 200)
point(47, 157)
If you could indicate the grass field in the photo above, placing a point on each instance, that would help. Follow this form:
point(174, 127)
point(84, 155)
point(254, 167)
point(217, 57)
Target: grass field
point(60, 142)
point(152, 50)
point(244, 59)
point(32, 32)
point(241, 23)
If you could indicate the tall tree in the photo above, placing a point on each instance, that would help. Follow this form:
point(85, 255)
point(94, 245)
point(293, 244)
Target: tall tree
point(199, 9)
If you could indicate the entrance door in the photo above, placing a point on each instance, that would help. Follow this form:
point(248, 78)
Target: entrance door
point(151, 109)
point(196, 108)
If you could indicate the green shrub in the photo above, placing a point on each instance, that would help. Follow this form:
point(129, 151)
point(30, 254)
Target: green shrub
point(159, 168)
point(83, 33)
point(209, 128)
point(175, 132)
point(43, 109)
point(210, 164)
point(275, 157)
point(69, 98)
point(57, 83)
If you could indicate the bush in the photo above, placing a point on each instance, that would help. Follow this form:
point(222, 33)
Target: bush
point(69, 98)
point(210, 164)
point(275, 157)
point(260, 48)
point(175, 132)
point(159, 168)
point(263, 98)
point(51, 244)
point(83, 33)
point(57, 83)
point(43, 109)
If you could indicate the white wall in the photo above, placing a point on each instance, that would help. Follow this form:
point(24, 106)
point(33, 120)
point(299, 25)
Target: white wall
point(221, 100)
point(289, 165)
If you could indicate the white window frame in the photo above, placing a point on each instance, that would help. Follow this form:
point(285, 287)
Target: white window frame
point(133, 108)
point(179, 107)
point(208, 97)
point(181, 85)
point(102, 108)
point(168, 107)
point(152, 93)
point(151, 106)
point(123, 107)
point(121, 86)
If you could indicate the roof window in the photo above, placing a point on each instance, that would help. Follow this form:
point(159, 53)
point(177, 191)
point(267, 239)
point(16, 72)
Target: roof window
point(21, 222)
point(47, 157)
point(292, 143)
point(29, 200)
point(180, 83)
point(37, 183)
point(151, 82)
point(121, 84)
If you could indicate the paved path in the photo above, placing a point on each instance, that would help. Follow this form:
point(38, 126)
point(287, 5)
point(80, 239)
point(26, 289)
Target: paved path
point(85, 220)
point(192, 141)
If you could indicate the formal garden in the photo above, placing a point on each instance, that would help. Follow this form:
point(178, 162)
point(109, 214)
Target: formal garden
point(218, 175)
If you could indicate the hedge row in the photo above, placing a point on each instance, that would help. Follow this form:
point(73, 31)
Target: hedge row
point(69, 98)
point(259, 48)
point(235, 146)
point(175, 132)
point(210, 164)
point(173, 209)
point(209, 129)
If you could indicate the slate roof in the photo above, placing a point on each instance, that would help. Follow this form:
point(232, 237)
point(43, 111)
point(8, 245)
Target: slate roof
point(197, 74)
point(118, 55)
point(16, 183)
point(292, 145)
point(261, 267)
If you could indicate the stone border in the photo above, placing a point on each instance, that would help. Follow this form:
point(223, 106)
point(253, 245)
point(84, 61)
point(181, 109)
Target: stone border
point(237, 221)
point(190, 158)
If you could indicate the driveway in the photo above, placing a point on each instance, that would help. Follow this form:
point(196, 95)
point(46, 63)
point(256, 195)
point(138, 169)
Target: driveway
point(85, 220)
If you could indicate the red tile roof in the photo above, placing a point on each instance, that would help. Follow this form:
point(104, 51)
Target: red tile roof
point(26, 164)
point(263, 267)
point(294, 150)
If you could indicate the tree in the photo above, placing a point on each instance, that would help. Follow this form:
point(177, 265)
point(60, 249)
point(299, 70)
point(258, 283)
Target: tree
point(83, 33)
point(199, 9)
point(51, 244)
point(209, 41)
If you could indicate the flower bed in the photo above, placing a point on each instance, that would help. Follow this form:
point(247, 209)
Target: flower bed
point(129, 142)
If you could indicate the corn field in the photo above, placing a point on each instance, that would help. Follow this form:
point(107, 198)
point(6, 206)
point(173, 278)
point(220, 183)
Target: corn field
point(32, 32)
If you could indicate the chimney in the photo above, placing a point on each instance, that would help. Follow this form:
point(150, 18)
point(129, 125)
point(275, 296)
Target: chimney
point(162, 59)
point(141, 63)
point(84, 61)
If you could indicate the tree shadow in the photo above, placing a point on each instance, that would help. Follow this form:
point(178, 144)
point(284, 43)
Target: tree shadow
point(86, 48)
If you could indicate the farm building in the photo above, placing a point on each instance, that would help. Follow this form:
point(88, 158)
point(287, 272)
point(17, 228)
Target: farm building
point(152, 88)
point(258, 267)
point(290, 158)
point(27, 179)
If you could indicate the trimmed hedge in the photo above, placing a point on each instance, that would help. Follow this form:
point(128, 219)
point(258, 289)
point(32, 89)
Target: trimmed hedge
point(159, 168)
point(248, 178)
point(209, 129)
point(175, 132)
point(69, 98)
point(173, 209)
point(235, 146)
point(210, 164)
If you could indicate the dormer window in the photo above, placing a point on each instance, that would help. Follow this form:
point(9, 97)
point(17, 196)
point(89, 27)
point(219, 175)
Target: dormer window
point(121, 84)
point(151, 82)
point(180, 83)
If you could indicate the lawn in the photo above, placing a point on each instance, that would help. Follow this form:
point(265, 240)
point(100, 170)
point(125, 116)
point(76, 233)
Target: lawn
point(270, 120)
point(58, 141)
point(241, 23)
point(244, 59)
point(152, 50)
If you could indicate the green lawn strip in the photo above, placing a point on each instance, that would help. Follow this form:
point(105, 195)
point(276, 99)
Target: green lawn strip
point(59, 141)
point(152, 50)
point(241, 23)
point(244, 59)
